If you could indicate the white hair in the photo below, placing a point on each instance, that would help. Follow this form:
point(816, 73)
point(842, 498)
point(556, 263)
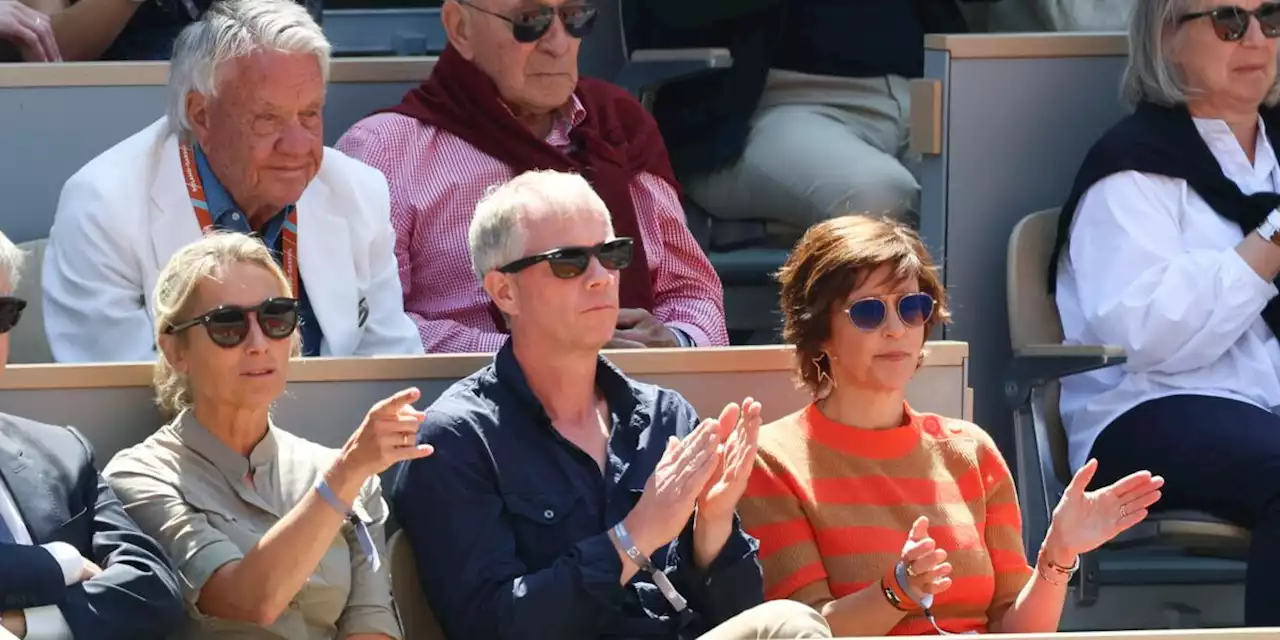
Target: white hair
point(233, 29)
point(11, 258)
point(1151, 74)
point(497, 233)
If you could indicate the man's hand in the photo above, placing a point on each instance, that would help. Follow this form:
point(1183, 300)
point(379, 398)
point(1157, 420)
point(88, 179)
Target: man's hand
point(739, 429)
point(638, 329)
point(673, 489)
point(29, 30)
point(89, 571)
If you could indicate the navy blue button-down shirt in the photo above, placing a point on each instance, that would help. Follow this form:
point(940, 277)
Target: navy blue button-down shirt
point(509, 520)
point(227, 216)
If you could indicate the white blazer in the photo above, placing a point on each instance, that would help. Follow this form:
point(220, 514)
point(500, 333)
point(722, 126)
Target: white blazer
point(123, 215)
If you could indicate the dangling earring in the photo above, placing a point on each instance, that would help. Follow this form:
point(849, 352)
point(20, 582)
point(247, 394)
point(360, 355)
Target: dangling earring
point(822, 373)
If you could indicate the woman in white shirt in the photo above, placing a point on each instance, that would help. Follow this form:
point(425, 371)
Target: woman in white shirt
point(1172, 253)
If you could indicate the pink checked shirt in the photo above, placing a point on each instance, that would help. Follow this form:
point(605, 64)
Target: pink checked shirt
point(436, 179)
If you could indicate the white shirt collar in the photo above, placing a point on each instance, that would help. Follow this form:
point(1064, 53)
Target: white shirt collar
point(1226, 149)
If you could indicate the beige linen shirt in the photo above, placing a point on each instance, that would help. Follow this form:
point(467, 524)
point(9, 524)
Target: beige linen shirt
point(208, 505)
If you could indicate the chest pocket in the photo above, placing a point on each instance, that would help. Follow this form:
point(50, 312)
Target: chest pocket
point(546, 525)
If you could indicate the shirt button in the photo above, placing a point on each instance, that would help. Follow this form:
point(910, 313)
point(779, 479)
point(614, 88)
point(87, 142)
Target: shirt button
point(236, 217)
point(548, 514)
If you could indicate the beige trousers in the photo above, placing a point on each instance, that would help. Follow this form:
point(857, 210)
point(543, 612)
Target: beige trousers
point(773, 620)
point(819, 147)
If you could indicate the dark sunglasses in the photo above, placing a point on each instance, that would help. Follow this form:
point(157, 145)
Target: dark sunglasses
point(869, 314)
point(228, 326)
point(571, 262)
point(1230, 23)
point(10, 312)
point(529, 26)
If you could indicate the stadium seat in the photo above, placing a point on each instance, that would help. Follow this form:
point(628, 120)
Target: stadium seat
point(1031, 390)
point(415, 614)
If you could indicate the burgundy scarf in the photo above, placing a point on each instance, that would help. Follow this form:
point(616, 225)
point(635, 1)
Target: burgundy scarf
point(617, 141)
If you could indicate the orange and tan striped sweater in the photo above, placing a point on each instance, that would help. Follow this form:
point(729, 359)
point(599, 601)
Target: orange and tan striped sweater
point(832, 505)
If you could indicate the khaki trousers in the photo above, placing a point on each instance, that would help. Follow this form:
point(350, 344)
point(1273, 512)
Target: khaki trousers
point(773, 620)
point(819, 147)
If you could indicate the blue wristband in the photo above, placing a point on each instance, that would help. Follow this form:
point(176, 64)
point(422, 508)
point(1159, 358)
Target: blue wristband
point(363, 536)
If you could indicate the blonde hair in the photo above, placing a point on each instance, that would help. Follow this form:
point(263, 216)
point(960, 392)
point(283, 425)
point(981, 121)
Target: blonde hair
point(176, 287)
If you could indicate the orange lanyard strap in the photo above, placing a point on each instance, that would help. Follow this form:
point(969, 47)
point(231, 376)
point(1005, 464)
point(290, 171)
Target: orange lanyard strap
point(200, 203)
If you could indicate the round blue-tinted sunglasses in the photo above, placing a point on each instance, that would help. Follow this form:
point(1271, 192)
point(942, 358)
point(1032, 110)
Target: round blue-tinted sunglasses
point(869, 314)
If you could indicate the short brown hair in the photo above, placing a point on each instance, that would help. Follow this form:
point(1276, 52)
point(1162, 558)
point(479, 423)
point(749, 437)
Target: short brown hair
point(832, 259)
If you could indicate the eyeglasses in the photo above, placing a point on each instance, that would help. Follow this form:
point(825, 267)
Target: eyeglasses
point(529, 26)
point(869, 314)
point(571, 262)
point(1230, 23)
point(228, 326)
point(10, 312)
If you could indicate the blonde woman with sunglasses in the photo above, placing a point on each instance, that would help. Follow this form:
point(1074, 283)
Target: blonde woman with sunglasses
point(273, 536)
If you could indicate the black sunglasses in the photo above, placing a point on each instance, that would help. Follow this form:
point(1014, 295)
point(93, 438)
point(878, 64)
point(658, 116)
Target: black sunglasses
point(869, 314)
point(228, 326)
point(10, 312)
point(529, 26)
point(1230, 23)
point(571, 262)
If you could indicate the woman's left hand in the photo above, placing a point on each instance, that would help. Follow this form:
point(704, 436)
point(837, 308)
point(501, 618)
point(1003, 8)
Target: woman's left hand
point(1086, 520)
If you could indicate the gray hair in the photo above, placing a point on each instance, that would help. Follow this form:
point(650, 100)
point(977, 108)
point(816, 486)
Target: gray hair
point(233, 29)
point(497, 233)
point(11, 259)
point(1151, 75)
point(176, 286)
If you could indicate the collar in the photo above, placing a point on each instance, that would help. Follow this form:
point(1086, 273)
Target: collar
point(568, 116)
point(573, 112)
point(876, 444)
point(618, 392)
point(1226, 149)
point(219, 200)
point(231, 464)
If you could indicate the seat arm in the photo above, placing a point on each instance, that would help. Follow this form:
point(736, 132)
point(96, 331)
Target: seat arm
point(648, 69)
point(1036, 365)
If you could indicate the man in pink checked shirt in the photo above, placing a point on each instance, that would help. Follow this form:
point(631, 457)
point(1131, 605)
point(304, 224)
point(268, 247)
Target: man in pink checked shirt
point(505, 98)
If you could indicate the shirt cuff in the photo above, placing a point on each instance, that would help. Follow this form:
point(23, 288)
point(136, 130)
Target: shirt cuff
point(601, 569)
point(683, 335)
point(69, 560)
point(46, 623)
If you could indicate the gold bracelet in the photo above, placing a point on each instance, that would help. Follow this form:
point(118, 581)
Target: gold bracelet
point(1064, 573)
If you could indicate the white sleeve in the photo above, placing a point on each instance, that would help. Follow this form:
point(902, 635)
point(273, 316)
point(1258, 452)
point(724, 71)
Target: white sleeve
point(46, 623)
point(94, 303)
point(1172, 308)
point(69, 560)
point(389, 331)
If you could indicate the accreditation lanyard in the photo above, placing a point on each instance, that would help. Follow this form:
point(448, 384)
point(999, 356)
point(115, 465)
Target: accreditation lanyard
point(195, 188)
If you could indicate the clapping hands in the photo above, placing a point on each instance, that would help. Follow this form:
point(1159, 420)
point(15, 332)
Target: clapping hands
point(707, 471)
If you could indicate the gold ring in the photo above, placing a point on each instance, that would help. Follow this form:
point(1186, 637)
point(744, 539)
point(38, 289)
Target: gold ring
point(406, 440)
point(911, 570)
point(1124, 511)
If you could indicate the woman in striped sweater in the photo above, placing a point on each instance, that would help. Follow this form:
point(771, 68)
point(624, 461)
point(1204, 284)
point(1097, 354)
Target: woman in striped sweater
point(890, 521)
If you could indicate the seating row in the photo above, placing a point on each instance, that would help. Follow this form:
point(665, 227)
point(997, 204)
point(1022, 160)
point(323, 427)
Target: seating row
point(56, 138)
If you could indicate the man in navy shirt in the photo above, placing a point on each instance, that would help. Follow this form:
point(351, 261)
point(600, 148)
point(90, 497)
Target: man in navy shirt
point(566, 500)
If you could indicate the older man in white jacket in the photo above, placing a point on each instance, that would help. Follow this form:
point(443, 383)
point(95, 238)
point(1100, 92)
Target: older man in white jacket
point(240, 149)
